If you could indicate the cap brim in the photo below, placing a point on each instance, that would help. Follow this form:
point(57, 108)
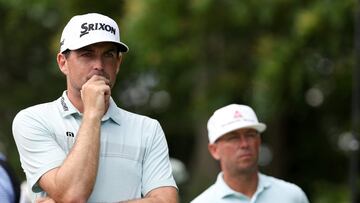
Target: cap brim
point(260, 127)
point(122, 46)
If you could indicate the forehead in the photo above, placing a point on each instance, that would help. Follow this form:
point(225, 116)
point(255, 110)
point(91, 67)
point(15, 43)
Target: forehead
point(99, 46)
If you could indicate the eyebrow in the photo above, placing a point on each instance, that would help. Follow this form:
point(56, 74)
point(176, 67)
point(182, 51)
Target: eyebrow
point(89, 49)
point(111, 49)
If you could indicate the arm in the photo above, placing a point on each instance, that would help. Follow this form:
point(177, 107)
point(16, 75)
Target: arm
point(159, 195)
point(74, 180)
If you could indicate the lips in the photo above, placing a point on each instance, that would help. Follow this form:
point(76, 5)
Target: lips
point(99, 73)
point(245, 155)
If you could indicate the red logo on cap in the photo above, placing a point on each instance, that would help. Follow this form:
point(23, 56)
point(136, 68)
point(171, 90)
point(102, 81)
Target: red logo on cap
point(237, 114)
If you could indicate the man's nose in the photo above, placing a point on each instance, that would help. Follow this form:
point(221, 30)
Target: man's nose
point(243, 141)
point(98, 63)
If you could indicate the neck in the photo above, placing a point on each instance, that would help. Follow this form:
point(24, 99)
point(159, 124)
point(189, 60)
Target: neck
point(75, 99)
point(245, 183)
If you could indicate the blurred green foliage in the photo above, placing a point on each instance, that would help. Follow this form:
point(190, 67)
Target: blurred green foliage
point(291, 60)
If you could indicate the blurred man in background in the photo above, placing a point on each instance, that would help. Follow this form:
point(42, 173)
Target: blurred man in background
point(9, 184)
point(234, 140)
point(82, 147)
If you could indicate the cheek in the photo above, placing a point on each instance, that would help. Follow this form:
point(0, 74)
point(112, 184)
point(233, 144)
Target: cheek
point(78, 76)
point(227, 151)
point(257, 144)
point(112, 72)
point(75, 73)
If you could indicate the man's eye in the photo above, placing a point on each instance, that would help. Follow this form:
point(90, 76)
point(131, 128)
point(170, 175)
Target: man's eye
point(232, 138)
point(252, 134)
point(110, 54)
point(86, 54)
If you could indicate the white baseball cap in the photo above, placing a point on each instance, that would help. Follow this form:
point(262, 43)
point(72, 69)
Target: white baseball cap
point(83, 30)
point(232, 117)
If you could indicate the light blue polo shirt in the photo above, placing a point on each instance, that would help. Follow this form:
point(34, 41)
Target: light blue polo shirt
point(133, 152)
point(269, 190)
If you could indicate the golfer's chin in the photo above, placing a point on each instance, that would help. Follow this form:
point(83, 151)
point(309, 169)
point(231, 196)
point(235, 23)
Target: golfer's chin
point(246, 162)
point(247, 167)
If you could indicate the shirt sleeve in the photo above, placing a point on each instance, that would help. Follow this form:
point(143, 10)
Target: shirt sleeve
point(303, 198)
point(36, 145)
point(157, 171)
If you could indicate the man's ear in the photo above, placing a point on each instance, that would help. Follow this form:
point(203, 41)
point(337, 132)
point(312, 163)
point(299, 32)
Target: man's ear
point(214, 151)
point(62, 63)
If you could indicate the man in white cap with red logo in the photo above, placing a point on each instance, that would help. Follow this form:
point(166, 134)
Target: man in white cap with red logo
point(234, 140)
point(82, 147)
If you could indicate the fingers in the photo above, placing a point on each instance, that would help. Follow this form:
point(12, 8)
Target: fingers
point(45, 200)
point(95, 94)
point(99, 78)
point(97, 83)
point(97, 74)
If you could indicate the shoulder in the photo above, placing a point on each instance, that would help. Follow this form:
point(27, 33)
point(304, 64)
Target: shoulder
point(282, 183)
point(208, 196)
point(131, 115)
point(284, 188)
point(35, 116)
point(35, 111)
point(138, 120)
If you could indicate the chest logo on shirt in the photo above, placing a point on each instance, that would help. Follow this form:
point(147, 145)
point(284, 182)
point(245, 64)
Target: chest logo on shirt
point(69, 134)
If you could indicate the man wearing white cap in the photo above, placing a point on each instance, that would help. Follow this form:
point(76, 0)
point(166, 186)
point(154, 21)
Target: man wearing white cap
point(234, 140)
point(82, 147)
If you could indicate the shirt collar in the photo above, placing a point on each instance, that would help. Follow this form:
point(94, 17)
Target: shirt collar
point(67, 109)
point(264, 183)
point(226, 191)
point(113, 112)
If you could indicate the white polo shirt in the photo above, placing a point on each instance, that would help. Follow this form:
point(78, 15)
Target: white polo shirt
point(269, 190)
point(133, 152)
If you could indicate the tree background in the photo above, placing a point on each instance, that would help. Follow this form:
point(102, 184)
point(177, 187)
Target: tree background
point(292, 61)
